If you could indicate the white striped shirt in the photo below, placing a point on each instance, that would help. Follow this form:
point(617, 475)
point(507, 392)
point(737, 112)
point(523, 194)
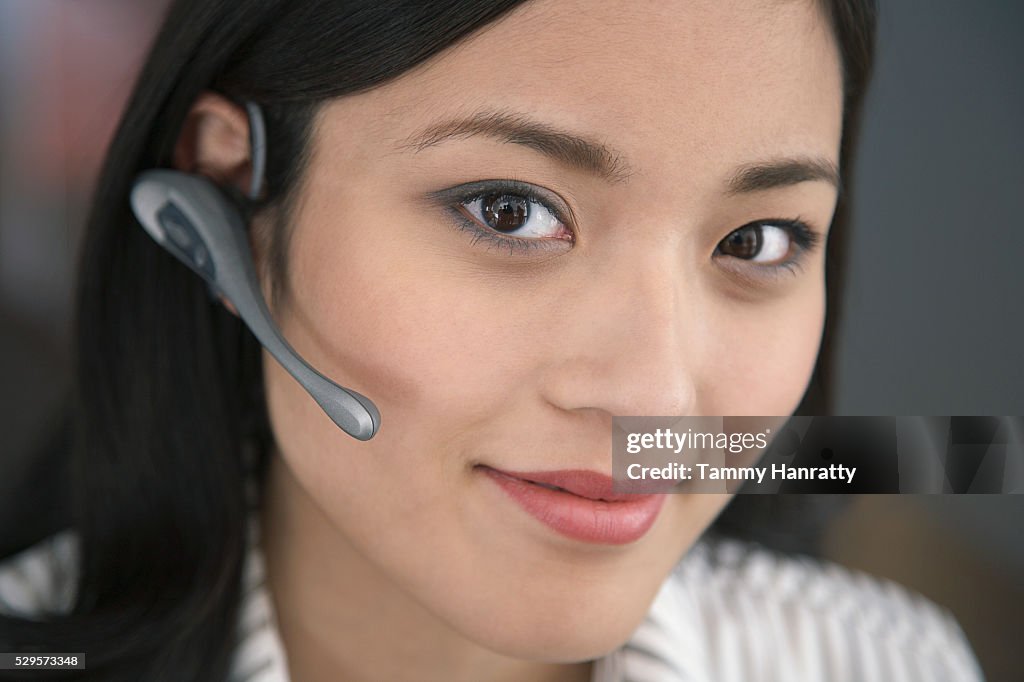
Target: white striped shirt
point(730, 611)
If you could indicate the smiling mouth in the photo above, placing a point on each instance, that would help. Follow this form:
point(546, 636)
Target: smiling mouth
point(579, 504)
point(583, 483)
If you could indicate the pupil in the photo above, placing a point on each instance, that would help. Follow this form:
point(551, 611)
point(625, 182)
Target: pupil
point(504, 212)
point(745, 243)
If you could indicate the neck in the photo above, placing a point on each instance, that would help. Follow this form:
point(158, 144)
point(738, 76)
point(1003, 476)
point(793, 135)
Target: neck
point(341, 618)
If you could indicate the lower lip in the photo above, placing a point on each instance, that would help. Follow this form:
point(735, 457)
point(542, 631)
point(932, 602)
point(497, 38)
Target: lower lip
point(581, 518)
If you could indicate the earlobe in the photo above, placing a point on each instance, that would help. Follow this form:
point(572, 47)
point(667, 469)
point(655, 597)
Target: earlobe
point(214, 142)
point(229, 305)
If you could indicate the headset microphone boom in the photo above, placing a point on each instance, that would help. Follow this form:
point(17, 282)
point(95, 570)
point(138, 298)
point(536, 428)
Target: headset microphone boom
point(194, 220)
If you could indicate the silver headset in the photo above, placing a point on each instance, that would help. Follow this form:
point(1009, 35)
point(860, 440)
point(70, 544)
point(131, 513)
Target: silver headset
point(194, 220)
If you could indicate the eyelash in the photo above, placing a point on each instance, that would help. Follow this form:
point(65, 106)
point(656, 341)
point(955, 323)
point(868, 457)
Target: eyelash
point(804, 238)
point(458, 197)
point(805, 241)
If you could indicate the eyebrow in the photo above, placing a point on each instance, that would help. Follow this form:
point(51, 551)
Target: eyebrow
point(573, 150)
point(589, 155)
point(757, 177)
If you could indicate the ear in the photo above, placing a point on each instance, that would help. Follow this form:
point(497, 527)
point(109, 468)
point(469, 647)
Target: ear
point(214, 142)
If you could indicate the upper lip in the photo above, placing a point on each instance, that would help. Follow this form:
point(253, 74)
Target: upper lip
point(581, 482)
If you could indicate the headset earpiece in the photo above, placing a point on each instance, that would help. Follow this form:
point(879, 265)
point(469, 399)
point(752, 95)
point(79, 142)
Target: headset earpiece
point(194, 220)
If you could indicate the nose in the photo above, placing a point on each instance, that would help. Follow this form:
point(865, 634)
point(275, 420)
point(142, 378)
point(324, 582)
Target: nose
point(631, 345)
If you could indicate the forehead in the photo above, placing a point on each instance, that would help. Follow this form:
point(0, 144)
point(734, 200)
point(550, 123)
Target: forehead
point(664, 82)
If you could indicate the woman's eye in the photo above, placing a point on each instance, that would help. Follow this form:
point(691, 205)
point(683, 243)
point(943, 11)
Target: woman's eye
point(509, 214)
point(768, 243)
point(514, 215)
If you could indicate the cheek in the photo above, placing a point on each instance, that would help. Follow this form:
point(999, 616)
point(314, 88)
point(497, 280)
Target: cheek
point(376, 312)
point(764, 354)
point(394, 321)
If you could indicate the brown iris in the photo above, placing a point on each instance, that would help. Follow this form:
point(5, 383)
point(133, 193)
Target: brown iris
point(504, 212)
point(744, 243)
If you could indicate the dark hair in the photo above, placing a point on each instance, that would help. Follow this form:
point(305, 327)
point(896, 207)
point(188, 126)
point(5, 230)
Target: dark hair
point(167, 387)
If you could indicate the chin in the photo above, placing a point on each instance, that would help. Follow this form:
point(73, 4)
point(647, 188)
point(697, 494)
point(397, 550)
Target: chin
point(564, 633)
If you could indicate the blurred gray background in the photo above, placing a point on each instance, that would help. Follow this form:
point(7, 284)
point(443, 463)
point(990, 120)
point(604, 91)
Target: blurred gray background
point(933, 311)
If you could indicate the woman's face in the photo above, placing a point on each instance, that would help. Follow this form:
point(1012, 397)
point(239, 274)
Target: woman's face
point(534, 231)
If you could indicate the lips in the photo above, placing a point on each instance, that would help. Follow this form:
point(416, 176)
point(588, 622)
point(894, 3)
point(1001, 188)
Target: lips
point(579, 504)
